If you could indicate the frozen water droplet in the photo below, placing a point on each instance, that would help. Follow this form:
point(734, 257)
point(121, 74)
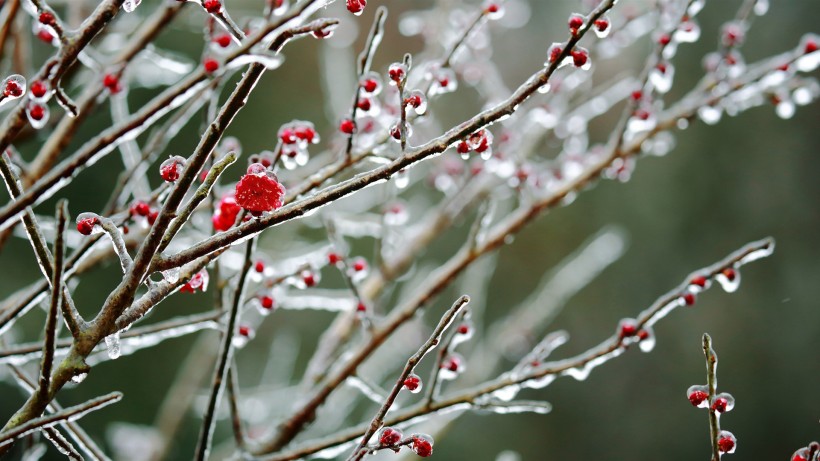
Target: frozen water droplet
point(243, 335)
point(698, 396)
point(785, 109)
point(723, 402)
point(14, 86)
point(401, 179)
point(544, 89)
point(130, 5)
point(602, 27)
point(422, 445)
point(112, 344)
point(687, 32)
point(171, 169)
point(710, 114)
point(279, 7)
point(88, 224)
point(79, 377)
point(396, 214)
point(579, 374)
point(443, 81)
point(695, 6)
point(294, 156)
point(661, 77)
point(413, 383)
point(505, 394)
point(451, 366)
point(646, 339)
point(37, 115)
point(729, 279)
point(417, 101)
point(761, 7)
point(463, 333)
point(171, 275)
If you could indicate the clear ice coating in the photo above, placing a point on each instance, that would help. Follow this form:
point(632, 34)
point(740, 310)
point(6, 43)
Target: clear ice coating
point(698, 395)
point(130, 5)
point(729, 279)
point(112, 345)
point(37, 115)
point(14, 86)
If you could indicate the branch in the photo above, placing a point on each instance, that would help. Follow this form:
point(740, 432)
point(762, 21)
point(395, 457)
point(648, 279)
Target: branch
point(711, 382)
point(56, 300)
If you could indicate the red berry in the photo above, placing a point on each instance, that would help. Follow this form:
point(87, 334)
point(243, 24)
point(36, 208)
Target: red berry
point(628, 329)
point(664, 39)
point(259, 267)
point(223, 40)
point(575, 23)
point(361, 307)
point(643, 334)
point(811, 47)
point(305, 133)
point(111, 81)
point(170, 170)
point(364, 104)
point(579, 57)
point(463, 329)
point(212, 6)
point(266, 302)
point(333, 258)
point(356, 6)
point(260, 192)
point(198, 282)
point(492, 8)
point(699, 280)
point(390, 436)
point(38, 89)
point(689, 298)
point(45, 36)
point(719, 405)
point(85, 226)
point(359, 264)
point(308, 278)
point(370, 85)
point(555, 52)
point(347, 126)
point(637, 95)
point(422, 445)
point(36, 111)
point(698, 397)
point(12, 89)
point(601, 24)
point(244, 330)
point(412, 383)
point(140, 208)
point(211, 65)
point(152, 217)
point(47, 18)
point(397, 72)
point(730, 274)
point(726, 444)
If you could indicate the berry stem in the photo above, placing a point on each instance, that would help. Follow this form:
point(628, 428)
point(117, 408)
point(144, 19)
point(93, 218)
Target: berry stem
point(711, 382)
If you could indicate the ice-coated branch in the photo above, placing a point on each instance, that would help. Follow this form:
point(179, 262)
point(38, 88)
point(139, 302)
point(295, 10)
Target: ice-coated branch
point(56, 300)
point(435, 338)
point(68, 414)
point(223, 359)
point(711, 383)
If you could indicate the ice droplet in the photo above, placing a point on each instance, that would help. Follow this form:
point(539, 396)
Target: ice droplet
point(78, 378)
point(785, 109)
point(507, 393)
point(130, 5)
point(661, 77)
point(761, 7)
point(710, 114)
point(401, 179)
point(646, 339)
point(14, 86)
point(37, 115)
point(698, 396)
point(687, 32)
point(112, 344)
point(729, 279)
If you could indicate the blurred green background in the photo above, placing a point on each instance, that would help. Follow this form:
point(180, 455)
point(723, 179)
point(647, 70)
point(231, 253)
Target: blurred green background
point(750, 176)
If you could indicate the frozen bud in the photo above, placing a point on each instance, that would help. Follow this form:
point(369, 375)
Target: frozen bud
point(37, 115)
point(47, 18)
point(726, 442)
point(699, 281)
point(422, 445)
point(267, 302)
point(412, 383)
point(689, 298)
point(397, 72)
point(733, 34)
point(198, 282)
point(14, 86)
point(698, 396)
point(226, 213)
point(371, 83)
point(223, 40)
point(802, 454)
point(259, 191)
point(417, 101)
point(212, 6)
point(140, 208)
point(576, 21)
point(210, 65)
point(259, 267)
point(361, 307)
point(309, 278)
point(334, 258)
point(580, 57)
point(493, 10)
point(324, 32)
point(171, 169)
point(723, 402)
point(356, 6)
point(444, 81)
point(39, 90)
point(244, 333)
point(390, 436)
point(602, 26)
point(554, 52)
point(810, 46)
point(627, 328)
point(395, 214)
point(88, 223)
point(364, 104)
point(347, 126)
point(664, 39)
point(451, 366)
point(305, 132)
point(112, 82)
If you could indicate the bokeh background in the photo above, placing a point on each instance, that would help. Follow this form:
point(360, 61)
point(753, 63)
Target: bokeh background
point(750, 176)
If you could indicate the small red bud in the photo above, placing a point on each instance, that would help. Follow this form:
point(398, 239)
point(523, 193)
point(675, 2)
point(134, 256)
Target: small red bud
point(811, 47)
point(266, 302)
point(38, 89)
point(211, 65)
point(689, 298)
point(212, 6)
point(47, 18)
point(259, 267)
point(347, 126)
point(730, 274)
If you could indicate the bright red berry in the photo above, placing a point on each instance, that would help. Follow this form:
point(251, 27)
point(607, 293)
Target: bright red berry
point(211, 65)
point(223, 40)
point(412, 383)
point(643, 335)
point(245, 331)
point(370, 85)
point(463, 329)
point(422, 445)
point(364, 104)
point(699, 280)
point(38, 89)
point(602, 24)
point(720, 405)
point(730, 274)
point(37, 112)
point(12, 89)
point(664, 39)
point(259, 267)
point(689, 298)
point(111, 81)
point(86, 225)
point(47, 18)
point(575, 23)
point(397, 72)
point(212, 6)
point(492, 8)
point(333, 258)
point(309, 278)
point(266, 302)
point(390, 436)
point(45, 36)
point(811, 47)
point(698, 397)
point(579, 57)
point(347, 126)
point(359, 264)
point(259, 192)
point(628, 328)
point(726, 442)
point(356, 6)
point(637, 95)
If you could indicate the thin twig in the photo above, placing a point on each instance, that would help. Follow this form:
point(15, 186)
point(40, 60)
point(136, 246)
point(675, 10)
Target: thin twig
point(711, 382)
point(56, 300)
point(378, 420)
